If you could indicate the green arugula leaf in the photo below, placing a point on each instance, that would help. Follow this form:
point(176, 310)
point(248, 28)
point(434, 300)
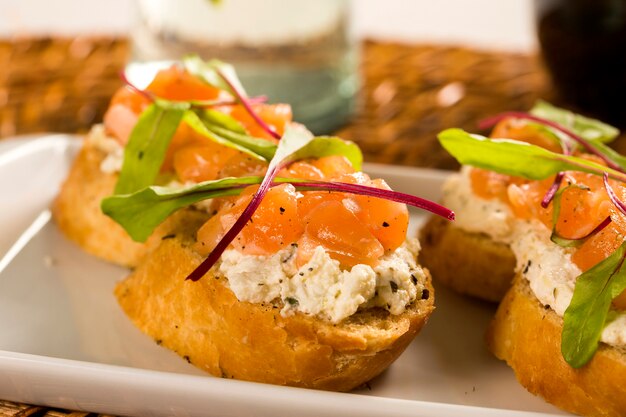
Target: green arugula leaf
point(141, 212)
point(222, 120)
point(516, 158)
point(299, 143)
point(224, 131)
point(321, 146)
point(609, 153)
point(594, 131)
point(223, 76)
point(209, 71)
point(585, 127)
point(296, 138)
point(586, 315)
point(147, 145)
point(296, 143)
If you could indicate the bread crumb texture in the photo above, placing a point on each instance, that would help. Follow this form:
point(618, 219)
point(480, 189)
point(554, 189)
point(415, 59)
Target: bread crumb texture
point(469, 263)
point(205, 323)
point(76, 211)
point(528, 337)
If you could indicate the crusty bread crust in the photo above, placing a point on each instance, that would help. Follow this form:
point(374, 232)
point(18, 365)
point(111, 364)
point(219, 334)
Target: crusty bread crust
point(205, 324)
point(527, 336)
point(77, 213)
point(469, 263)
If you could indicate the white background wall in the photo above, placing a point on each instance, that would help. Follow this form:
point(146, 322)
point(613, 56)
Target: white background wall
point(500, 24)
point(497, 24)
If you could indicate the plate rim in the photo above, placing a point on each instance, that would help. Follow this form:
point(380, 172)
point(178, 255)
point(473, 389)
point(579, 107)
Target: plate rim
point(76, 373)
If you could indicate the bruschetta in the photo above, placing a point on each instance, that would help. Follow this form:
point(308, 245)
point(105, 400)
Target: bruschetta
point(276, 261)
point(541, 204)
point(317, 289)
point(192, 155)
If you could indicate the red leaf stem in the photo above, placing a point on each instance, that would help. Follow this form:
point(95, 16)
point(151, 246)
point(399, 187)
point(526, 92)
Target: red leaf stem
point(612, 195)
point(246, 104)
point(248, 212)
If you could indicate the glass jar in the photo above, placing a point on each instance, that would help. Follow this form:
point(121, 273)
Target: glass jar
point(293, 51)
point(583, 44)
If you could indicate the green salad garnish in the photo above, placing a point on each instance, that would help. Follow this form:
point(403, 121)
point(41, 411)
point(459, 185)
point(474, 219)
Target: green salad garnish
point(595, 289)
point(139, 205)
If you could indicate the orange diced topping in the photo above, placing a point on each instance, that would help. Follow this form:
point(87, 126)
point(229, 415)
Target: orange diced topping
point(582, 209)
point(301, 170)
point(277, 116)
point(333, 166)
point(175, 83)
point(387, 220)
point(199, 163)
point(274, 225)
point(521, 130)
point(342, 235)
point(351, 228)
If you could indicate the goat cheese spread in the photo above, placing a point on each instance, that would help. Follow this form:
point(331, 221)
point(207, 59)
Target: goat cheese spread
point(477, 215)
point(547, 266)
point(114, 150)
point(320, 287)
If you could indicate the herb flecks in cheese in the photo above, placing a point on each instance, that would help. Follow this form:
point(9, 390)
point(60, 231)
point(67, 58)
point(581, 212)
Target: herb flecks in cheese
point(550, 272)
point(321, 287)
point(547, 267)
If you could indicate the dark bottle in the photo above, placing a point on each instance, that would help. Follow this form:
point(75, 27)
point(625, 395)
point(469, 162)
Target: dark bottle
point(584, 47)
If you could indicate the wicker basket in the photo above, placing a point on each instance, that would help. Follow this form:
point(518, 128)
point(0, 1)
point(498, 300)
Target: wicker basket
point(411, 92)
point(57, 84)
point(408, 93)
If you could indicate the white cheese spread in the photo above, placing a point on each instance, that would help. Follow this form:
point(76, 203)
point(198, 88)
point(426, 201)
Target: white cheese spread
point(320, 287)
point(475, 214)
point(114, 151)
point(547, 266)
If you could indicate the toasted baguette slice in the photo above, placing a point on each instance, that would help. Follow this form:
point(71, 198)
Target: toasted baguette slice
point(205, 324)
point(76, 211)
point(469, 263)
point(527, 336)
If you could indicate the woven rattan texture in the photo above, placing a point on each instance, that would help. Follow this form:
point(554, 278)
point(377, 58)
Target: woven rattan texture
point(8, 408)
point(57, 84)
point(409, 93)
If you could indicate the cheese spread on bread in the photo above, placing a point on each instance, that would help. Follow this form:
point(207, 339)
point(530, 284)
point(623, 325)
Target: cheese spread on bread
point(491, 217)
point(320, 287)
point(111, 147)
point(547, 266)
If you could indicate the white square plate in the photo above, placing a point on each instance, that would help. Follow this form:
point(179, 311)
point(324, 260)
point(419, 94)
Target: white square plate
point(65, 343)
